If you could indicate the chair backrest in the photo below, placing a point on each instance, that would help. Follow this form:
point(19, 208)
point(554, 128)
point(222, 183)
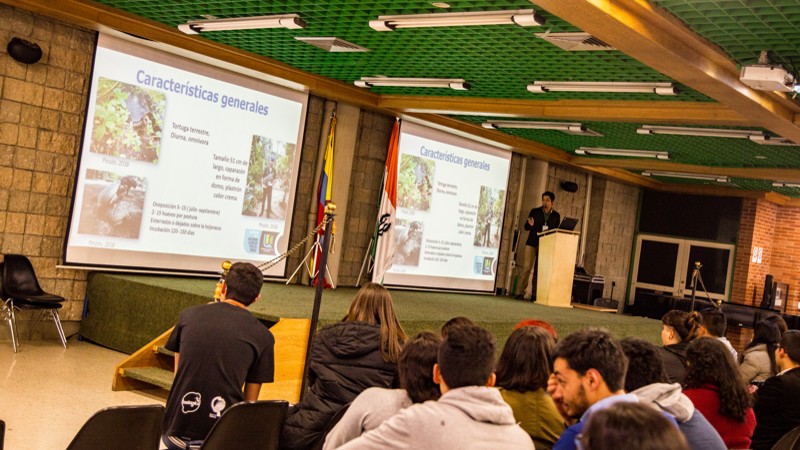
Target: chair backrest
point(19, 277)
point(331, 423)
point(248, 425)
point(121, 428)
point(789, 441)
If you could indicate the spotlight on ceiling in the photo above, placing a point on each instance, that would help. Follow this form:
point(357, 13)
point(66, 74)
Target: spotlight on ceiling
point(290, 21)
point(520, 17)
point(458, 84)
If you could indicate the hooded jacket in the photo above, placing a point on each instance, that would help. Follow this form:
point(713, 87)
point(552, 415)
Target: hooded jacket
point(345, 360)
point(471, 417)
point(668, 398)
point(755, 364)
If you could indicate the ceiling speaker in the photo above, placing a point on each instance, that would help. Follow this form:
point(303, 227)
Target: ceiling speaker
point(569, 186)
point(24, 51)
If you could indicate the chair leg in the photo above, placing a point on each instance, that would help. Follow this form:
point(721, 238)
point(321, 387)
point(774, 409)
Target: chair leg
point(59, 328)
point(8, 312)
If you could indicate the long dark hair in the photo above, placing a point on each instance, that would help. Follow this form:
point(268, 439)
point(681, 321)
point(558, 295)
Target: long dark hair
point(710, 362)
point(768, 333)
point(526, 361)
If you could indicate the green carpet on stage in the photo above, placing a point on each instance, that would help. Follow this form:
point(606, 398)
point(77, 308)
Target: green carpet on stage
point(125, 312)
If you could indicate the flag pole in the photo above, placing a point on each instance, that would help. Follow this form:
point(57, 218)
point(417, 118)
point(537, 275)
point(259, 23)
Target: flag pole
point(312, 330)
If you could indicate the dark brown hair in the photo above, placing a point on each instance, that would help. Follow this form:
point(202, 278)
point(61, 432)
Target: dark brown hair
point(693, 323)
point(790, 342)
point(373, 304)
point(676, 319)
point(714, 321)
point(631, 425)
point(767, 332)
point(458, 321)
point(710, 362)
point(526, 362)
point(243, 283)
point(415, 367)
point(594, 348)
point(466, 356)
point(645, 365)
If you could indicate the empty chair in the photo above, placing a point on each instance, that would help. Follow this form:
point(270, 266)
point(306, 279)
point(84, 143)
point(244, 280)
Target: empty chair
point(248, 425)
point(21, 290)
point(121, 428)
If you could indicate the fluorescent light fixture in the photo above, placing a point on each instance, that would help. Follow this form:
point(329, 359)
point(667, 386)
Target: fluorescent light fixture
point(788, 184)
point(703, 132)
point(452, 83)
point(521, 17)
point(290, 21)
point(541, 87)
point(569, 128)
point(766, 139)
point(688, 176)
point(622, 152)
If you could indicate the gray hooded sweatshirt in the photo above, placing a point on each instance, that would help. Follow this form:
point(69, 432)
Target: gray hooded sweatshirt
point(695, 427)
point(472, 417)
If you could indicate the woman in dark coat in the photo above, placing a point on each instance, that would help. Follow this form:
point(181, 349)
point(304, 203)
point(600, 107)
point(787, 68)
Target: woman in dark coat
point(346, 358)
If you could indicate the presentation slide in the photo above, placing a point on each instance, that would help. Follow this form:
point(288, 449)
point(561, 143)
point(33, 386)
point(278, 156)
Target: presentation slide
point(183, 164)
point(451, 195)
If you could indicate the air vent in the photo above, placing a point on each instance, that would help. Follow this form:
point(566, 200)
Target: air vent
point(575, 42)
point(332, 44)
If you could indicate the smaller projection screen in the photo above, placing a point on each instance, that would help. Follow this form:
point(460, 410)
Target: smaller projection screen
point(183, 164)
point(451, 196)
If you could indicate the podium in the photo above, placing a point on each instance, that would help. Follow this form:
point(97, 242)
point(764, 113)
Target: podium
point(556, 260)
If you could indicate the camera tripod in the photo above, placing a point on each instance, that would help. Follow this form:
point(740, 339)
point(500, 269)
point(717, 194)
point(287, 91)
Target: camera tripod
point(698, 278)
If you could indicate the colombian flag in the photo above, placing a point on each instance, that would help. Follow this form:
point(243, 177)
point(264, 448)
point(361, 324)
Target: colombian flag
point(324, 191)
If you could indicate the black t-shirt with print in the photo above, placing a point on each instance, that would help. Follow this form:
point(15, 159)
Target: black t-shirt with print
point(221, 347)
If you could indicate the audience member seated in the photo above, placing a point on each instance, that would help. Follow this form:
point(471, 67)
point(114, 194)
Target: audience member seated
point(757, 361)
point(469, 415)
point(777, 402)
point(676, 332)
point(714, 325)
point(716, 389)
point(588, 376)
point(633, 426)
point(522, 372)
point(541, 324)
point(778, 321)
point(348, 357)
point(373, 406)
point(647, 380)
point(222, 356)
point(455, 322)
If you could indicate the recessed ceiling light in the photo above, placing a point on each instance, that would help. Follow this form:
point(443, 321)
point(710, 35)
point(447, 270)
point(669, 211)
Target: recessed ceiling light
point(441, 4)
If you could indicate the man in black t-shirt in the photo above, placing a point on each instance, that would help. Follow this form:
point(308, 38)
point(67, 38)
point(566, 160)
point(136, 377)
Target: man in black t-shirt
point(219, 348)
point(539, 220)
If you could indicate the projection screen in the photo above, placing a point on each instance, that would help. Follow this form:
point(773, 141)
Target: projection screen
point(182, 164)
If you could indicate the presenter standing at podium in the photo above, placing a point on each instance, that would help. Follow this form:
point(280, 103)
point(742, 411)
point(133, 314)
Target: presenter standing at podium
point(539, 220)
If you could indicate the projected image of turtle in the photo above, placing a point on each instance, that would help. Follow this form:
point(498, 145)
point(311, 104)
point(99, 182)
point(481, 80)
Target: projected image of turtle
point(490, 208)
point(415, 183)
point(269, 174)
point(112, 204)
point(408, 235)
point(128, 121)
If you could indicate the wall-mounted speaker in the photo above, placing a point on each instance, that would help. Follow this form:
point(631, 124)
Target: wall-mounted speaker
point(569, 186)
point(24, 51)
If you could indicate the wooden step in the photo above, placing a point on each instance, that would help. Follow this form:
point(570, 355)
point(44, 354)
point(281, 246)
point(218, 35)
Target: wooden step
point(152, 375)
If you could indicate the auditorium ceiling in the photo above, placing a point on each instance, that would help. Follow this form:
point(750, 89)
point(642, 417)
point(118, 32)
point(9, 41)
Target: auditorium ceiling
point(699, 46)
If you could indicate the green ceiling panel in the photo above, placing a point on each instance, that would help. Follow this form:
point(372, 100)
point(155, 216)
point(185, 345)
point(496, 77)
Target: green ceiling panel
point(743, 27)
point(498, 61)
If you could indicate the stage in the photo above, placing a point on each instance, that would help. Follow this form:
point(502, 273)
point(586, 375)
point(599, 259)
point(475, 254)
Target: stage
point(125, 312)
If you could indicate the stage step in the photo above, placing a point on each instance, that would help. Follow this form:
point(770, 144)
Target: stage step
point(153, 375)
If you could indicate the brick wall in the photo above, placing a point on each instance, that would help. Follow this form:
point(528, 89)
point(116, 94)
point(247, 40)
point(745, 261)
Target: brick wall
point(785, 255)
point(369, 164)
point(41, 119)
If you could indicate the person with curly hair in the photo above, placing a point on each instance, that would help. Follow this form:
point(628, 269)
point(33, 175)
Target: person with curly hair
point(677, 330)
point(522, 373)
point(715, 387)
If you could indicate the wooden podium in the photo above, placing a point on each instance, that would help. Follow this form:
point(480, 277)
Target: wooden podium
point(556, 260)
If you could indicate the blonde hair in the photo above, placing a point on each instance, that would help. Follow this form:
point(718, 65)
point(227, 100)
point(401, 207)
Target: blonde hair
point(373, 304)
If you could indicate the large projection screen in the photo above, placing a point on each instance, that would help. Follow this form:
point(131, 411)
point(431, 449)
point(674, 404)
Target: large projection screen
point(451, 194)
point(183, 164)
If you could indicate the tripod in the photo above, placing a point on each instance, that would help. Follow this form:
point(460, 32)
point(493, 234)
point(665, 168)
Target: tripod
point(698, 278)
point(315, 250)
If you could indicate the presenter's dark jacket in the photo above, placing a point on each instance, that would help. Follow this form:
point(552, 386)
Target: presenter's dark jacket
point(538, 223)
point(777, 408)
point(345, 360)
